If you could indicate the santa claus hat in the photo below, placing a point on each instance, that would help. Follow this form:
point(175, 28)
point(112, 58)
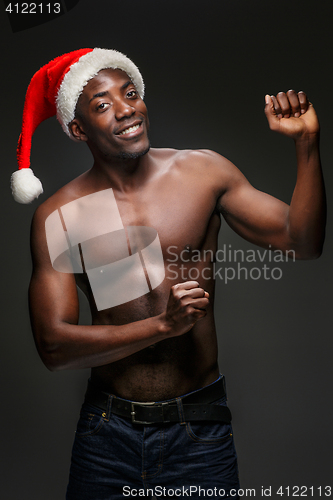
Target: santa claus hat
point(55, 90)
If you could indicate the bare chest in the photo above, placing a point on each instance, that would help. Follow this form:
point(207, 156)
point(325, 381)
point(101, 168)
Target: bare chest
point(181, 217)
point(124, 240)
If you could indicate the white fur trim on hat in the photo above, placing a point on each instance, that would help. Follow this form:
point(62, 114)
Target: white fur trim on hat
point(25, 186)
point(84, 70)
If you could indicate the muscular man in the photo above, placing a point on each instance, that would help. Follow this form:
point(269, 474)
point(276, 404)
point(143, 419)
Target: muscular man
point(161, 345)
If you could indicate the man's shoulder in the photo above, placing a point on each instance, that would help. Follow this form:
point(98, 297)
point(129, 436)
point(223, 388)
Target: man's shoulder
point(205, 165)
point(188, 154)
point(190, 158)
point(69, 192)
point(204, 168)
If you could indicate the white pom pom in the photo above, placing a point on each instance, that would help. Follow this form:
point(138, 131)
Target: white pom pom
point(25, 186)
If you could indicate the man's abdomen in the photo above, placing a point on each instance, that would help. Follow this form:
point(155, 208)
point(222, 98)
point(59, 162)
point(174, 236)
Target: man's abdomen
point(164, 370)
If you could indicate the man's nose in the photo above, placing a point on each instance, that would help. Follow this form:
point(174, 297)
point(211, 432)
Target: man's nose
point(123, 109)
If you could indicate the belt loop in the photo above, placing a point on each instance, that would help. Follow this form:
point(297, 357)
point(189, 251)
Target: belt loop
point(109, 407)
point(225, 388)
point(180, 411)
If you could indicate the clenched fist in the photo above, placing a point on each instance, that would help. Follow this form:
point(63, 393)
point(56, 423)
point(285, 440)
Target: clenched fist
point(291, 114)
point(186, 305)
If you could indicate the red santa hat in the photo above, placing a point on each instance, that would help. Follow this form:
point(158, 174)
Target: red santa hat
point(55, 90)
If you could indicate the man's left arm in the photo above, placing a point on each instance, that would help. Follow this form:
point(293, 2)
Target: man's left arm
point(271, 223)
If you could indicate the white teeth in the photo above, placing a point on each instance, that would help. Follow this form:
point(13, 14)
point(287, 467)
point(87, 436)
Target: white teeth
point(130, 129)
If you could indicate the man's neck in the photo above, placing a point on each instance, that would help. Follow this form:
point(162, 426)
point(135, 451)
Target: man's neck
point(121, 174)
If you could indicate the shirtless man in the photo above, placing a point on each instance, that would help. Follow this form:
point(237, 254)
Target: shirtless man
point(162, 345)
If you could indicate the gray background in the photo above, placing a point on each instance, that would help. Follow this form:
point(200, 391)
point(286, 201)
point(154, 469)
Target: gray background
point(207, 66)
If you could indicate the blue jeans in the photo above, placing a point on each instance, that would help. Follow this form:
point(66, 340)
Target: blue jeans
point(114, 459)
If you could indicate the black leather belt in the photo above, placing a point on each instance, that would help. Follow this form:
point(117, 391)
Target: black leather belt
point(196, 406)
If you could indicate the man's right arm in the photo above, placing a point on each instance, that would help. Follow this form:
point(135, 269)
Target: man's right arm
point(54, 311)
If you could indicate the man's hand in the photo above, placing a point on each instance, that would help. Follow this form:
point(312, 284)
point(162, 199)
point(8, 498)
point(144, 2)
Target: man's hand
point(291, 114)
point(186, 305)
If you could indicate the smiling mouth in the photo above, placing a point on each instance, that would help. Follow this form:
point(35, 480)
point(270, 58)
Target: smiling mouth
point(130, 129)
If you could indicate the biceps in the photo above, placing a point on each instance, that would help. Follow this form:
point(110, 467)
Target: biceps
point(256, 216)
point(53, 300)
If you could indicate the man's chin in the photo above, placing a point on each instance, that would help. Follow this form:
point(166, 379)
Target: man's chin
point(125, 155)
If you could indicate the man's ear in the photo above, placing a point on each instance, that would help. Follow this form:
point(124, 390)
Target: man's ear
point(77, 130)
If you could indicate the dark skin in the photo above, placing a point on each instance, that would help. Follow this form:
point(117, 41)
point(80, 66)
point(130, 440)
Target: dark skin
point(163, 344)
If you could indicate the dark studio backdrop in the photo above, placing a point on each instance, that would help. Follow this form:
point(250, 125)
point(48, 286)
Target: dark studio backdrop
point(207, 67)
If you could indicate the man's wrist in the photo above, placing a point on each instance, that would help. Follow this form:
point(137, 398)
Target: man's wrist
point(163, 326)
point(308, 140)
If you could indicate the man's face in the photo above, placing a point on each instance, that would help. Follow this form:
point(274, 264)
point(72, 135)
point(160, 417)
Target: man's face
point(113, 117)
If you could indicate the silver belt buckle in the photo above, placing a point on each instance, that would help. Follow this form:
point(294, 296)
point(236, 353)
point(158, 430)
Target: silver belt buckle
point(134, 421)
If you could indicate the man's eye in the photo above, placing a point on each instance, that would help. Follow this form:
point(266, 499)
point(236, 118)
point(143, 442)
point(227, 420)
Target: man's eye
point(132, 93)
point(102, 106)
